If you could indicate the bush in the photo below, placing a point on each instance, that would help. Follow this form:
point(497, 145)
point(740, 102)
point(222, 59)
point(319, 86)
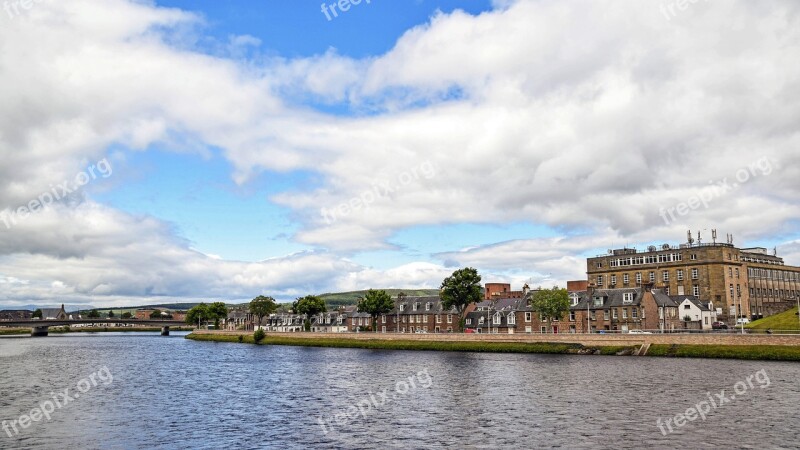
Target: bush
point(241, 338)
point(258, 336)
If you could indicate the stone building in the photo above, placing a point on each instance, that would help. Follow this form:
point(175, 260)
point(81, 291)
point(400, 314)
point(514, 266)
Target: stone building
point(740, 282)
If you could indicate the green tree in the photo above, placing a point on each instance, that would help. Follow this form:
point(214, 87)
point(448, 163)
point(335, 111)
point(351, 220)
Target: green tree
point(258, 335)
point(262, 307)
point(550, 303)
point(126, 315)
point(217, 311)
point(110, 313)
point(37, 314)
point(375, 303)
point(93, 314)
point(197, 314)
point(310, 305)
point(156, 314)
point(459, 290)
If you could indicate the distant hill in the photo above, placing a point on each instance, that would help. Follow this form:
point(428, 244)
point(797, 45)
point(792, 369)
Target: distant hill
point(334, 300)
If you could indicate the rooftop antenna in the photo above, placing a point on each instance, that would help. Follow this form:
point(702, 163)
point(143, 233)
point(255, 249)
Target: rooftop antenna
point(699, 239)
point(689, 237)
point(714, 235)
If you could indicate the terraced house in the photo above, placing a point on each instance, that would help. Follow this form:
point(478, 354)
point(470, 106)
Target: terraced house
point(419, 315)
point(624, 310)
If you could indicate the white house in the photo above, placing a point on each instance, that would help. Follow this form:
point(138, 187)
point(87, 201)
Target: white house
point(700, 312)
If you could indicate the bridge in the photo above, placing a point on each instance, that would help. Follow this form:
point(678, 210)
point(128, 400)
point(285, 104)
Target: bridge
point(40, 327)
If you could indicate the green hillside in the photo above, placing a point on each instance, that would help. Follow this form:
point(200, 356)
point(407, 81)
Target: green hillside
point(334, 300)
point(786, 320)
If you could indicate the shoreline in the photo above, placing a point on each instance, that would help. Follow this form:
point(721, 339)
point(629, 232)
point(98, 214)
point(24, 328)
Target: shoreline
point(60, 330)
point(681, 347)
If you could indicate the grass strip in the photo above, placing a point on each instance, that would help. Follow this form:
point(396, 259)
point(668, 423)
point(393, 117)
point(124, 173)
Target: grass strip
point(392, 344)
point(751, 352)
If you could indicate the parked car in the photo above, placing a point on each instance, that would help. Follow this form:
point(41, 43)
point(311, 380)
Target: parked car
point(742, 321)
point(719, 326)
point(639, 332)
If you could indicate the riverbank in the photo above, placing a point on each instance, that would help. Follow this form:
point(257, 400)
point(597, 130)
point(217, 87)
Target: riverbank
point(776, 348)
point(59, 330)
point(337, 341)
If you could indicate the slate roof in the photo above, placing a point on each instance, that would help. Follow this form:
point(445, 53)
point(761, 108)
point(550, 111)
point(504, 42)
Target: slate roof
point(703, 306)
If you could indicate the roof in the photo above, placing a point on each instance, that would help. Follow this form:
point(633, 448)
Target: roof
point(703, 306)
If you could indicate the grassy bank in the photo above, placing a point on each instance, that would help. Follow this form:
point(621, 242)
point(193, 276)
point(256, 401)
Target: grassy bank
point(14, 331)
point(754, 352)
point(112, 329)
point(399, 344)
point(786, 320)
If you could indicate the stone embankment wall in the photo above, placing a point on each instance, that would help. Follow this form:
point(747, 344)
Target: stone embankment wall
point(585, 339)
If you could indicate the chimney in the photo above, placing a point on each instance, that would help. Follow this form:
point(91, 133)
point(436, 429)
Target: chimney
point(590, 290)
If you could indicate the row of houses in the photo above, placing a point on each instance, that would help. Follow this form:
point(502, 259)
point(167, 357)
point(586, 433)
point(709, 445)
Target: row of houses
point(592, 310)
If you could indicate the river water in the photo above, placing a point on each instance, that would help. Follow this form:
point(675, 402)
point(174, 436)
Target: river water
point(140, 390)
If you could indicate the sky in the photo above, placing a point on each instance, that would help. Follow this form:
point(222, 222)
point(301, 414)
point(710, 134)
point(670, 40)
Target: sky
point(160, 151)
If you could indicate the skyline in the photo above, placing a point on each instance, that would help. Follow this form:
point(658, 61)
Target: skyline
point(275, 149)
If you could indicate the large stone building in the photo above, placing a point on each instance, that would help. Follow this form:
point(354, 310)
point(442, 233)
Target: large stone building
point(740, 282)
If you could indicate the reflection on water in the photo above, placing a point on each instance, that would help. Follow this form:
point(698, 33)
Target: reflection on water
point(168, 392)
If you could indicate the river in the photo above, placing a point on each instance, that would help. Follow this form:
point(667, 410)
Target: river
point(141, 390)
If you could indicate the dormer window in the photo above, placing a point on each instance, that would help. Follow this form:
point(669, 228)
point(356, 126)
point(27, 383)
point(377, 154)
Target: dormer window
point(627, 298)
point(598, 301)
point(402, 308)
point(416, 306)
point(428, 306)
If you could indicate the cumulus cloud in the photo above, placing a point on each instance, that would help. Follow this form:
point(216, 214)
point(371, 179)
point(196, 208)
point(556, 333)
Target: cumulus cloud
point(591, 119)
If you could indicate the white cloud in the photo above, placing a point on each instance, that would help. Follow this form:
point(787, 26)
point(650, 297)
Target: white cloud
point(586, 118)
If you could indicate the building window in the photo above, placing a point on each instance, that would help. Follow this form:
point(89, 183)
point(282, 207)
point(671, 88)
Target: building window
point(737, 272)
point(626, 279)
point(438, 318)
point(635, 313)
point(731, 290)
point(469, 322)
point(680, 274)
point(571, 316)
point(402, 308)
point(605, 314)
point(598, 265)
point(428, 306)
point(652, 277)
point(449, 318)
point(527, 317)
point(383, 319)
point(730, 272)
point(593, 316)
point(416, 306)
point(665, 275)
point(627, 297)
point(614, 313)
point(544, 330)
point(613, 280)
point(693, 257)
point(512, 319)
point(599, 280)
point(624, 313)
point(695, 274)
point(666, 290)
point(696, 290)
point(638, 278)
